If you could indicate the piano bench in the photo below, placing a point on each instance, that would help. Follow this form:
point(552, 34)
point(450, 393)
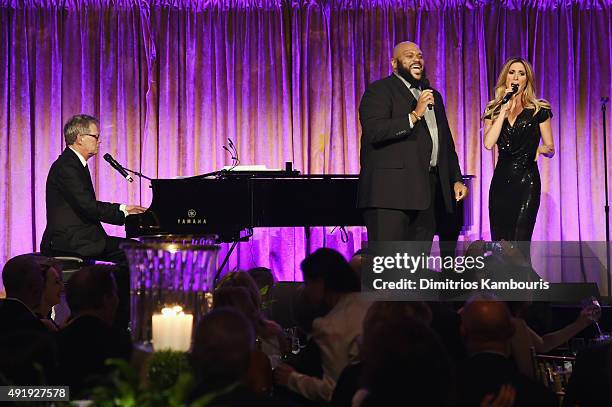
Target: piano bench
point(70, 264)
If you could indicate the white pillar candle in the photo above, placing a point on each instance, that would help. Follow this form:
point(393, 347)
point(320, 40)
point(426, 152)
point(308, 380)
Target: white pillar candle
point(172, 329)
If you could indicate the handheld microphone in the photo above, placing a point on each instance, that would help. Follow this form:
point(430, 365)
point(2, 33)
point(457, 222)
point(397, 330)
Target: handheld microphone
point(509, 95)
point(109, 158)
point(425, 85)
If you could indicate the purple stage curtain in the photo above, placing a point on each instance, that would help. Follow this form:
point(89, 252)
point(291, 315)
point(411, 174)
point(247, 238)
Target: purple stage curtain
point(171, 80)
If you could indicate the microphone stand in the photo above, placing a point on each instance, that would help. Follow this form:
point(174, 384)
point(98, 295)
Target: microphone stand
point(235, 161)
point(604, 101)
point(137, 173)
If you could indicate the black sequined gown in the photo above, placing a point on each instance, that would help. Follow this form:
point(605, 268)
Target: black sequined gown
point(514, 196)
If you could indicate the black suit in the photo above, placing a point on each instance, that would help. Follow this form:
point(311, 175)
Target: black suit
point(395, 158)
point(16, 317)
point(74, 215)
point(25, 343)
point(84, 346)
point(485, 373)
point(591, 381)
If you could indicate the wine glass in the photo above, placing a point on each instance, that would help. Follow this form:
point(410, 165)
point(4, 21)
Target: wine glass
point(294, 340)
point(592, 310)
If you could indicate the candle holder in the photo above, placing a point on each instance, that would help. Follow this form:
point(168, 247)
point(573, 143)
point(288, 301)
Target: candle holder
point(167, 271)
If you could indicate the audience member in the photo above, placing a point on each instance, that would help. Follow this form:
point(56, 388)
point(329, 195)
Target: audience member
point(89, 339)
point(223, 345)
point(350, 381)
point(404, 362)
point(52, 291)
point(270, 337)
point(505, 261)
point(590, 384)
point(333, 287)
point(24, 285)
point(487, 330)
point(525, 338)
point(308, 360)
point(357, 261)
point(263, 277)
point(28, 358)
point(265, 281)
point(28, 355)
point(446, 323)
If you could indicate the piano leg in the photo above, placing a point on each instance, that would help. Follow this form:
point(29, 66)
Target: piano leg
point(307, 236)
point(227, 256)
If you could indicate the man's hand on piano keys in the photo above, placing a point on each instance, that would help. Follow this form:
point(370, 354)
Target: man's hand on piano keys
point(134, 209)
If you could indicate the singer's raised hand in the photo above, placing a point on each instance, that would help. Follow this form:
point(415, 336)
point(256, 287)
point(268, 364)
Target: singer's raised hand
point(426, 98)
point(510, 96)
point(134, 209)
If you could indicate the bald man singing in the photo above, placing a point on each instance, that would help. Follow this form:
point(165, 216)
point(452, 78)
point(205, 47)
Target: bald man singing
point(410, 180)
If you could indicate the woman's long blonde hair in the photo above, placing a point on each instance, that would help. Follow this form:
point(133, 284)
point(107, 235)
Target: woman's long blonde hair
point(528, 97)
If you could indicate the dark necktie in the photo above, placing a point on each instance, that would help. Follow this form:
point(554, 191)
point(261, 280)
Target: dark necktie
point(89, 178)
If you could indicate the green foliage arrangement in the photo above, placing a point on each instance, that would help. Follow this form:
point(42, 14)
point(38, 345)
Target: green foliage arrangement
point(170, 382)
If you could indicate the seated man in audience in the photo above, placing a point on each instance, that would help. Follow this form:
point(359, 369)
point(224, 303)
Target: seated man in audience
point(590, 384)
point(382, 312)
point(25, 344)
point(224, 341)
point(23, 282)
point(89, 339)
point(487, 329)
point(404, 362)
point(333, 287)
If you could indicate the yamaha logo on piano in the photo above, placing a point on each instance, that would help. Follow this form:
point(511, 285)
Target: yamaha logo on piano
point(191, 219)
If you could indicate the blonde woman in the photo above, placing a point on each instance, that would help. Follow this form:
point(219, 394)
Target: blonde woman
point(519, 124)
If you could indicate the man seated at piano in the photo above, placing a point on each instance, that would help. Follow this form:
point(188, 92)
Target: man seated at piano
point(74, 215)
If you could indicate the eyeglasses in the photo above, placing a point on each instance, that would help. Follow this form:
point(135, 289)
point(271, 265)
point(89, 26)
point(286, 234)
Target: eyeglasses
point(96, 136)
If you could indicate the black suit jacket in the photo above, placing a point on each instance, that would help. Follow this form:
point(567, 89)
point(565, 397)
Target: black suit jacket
point(73, 213)
point(25, 346)
point(84, 346)
point(16, 317)
point(485, 373)
point(394, 157)
point(590, 384)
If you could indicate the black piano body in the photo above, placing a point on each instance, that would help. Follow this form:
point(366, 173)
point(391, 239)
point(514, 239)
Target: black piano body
point(230, 204)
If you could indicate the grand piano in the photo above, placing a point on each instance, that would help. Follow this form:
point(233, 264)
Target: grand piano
point(231, 204)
